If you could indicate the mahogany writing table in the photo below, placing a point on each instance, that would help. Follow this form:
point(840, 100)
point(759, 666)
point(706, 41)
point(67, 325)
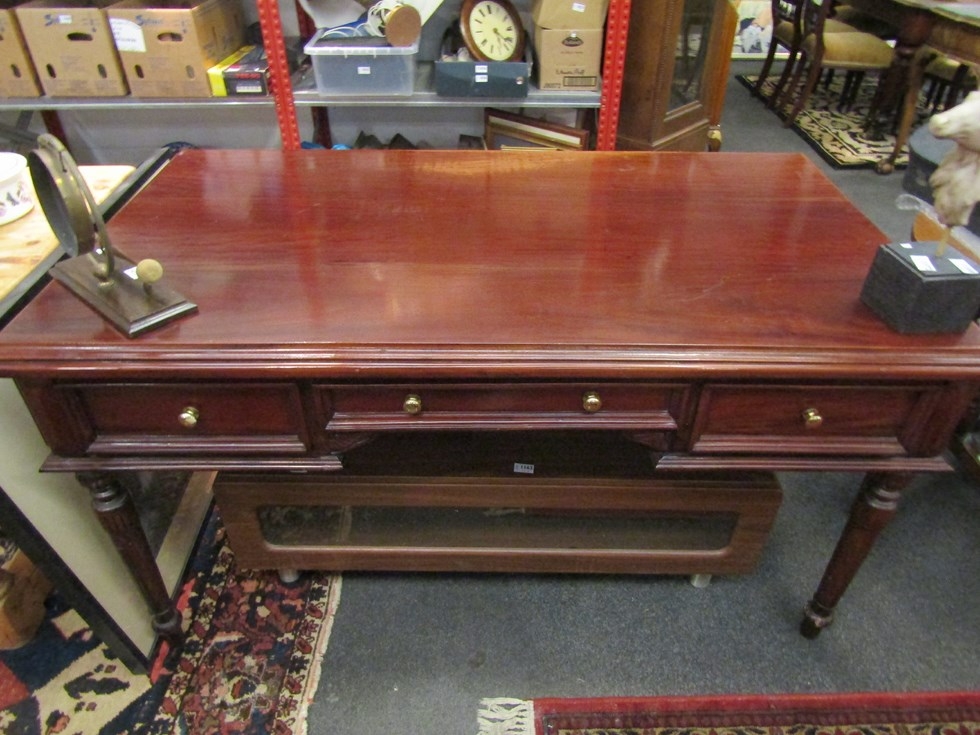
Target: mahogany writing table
point(706, 306)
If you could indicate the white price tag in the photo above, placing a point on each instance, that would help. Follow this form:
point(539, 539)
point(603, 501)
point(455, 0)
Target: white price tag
point(364, 70)
point(523, 468)
point(963, 266)
point(923, 263)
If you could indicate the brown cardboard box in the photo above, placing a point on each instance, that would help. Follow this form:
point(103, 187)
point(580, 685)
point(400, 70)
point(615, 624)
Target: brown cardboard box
point(569, 14)
point(167, 46)
point(17, 75)
point(569, 60)
point(72, 48)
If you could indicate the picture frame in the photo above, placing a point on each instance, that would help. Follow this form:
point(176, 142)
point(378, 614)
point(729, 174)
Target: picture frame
point(508, 131)
point(753, 33)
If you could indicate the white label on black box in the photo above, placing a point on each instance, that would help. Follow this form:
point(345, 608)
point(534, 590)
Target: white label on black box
point(363, 70)
point(524, 468)
point(127, 35)
point(963, 266)
point(481, 78)
point(923, 263)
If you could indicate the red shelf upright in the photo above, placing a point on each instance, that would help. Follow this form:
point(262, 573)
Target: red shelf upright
point(614, 58)
point(282, 90)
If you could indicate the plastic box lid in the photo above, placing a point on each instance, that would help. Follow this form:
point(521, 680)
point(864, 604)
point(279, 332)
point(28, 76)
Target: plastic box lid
point(355, 46)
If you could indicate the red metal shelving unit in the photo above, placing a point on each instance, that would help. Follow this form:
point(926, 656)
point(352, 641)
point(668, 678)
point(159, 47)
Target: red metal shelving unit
point(617, 25)
point(614, 58)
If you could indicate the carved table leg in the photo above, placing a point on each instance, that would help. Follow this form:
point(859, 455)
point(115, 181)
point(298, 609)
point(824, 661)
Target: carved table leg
point(115, 511)
point(874, 507)
point(898, 89)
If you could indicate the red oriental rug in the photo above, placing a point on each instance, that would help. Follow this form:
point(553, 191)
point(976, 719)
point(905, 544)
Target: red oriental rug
point(249, 664)
point(927, 713)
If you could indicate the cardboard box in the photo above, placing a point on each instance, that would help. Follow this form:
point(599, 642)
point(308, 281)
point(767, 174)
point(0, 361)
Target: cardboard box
point(923, 288)
point(570, 14)
point(568, 60)
point(72, 49)
point(17, 75)
point(167, 46)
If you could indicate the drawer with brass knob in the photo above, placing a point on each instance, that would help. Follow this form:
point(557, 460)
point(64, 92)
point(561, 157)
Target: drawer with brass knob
point(859, 420)
point(624, 406)
point(190, 418)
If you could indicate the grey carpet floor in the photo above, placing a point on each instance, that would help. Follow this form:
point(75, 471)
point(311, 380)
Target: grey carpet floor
point(413, 654)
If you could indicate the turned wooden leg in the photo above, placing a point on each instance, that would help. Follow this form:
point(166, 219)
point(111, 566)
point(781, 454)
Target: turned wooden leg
point(874, 507)
point(115, 511)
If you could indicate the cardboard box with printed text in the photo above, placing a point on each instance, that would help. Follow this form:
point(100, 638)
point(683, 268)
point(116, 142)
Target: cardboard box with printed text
point(569, 14)
point(167, 46)
point(72, 48)
point(568, 60)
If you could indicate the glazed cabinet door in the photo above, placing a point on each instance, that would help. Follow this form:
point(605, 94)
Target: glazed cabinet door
point(674, 80)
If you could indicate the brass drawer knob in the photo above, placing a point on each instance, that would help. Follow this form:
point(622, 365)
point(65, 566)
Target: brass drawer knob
point(812, 418)
point(188, 417)
point(412, 404)
point(591, 402)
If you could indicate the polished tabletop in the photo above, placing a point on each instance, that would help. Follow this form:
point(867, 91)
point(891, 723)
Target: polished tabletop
point(479, 264)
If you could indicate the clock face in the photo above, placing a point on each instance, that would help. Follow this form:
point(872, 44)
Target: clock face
point(492, 30)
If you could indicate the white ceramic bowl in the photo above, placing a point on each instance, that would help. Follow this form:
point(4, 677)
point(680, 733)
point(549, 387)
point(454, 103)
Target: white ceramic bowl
point(15, 190)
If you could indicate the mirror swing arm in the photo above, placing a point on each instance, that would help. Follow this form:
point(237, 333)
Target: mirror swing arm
point(132, 297)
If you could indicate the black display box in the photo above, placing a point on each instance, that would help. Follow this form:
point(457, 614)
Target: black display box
point(923, 288)
point(506, 79)
point(482, 78)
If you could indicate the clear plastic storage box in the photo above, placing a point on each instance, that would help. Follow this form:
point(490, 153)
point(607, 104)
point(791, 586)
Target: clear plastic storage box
point(361, 65)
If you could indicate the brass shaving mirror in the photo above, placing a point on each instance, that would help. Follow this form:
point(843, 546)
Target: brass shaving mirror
point(132, 297)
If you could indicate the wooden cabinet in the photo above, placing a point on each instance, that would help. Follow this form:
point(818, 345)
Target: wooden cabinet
point(674, 84)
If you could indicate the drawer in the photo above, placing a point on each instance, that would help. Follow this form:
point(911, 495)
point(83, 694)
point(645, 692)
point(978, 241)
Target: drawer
point(189, 418)
point(856, 420)
point(492, 406)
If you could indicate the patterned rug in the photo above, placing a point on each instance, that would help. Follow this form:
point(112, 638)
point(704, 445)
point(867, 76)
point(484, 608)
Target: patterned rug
point(927, 713)
point(249, 665)
point(838, 136)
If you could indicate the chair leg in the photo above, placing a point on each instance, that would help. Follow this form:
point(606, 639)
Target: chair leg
point(791, 93)
point(766, 66)
point(811, 81)
point(788, 70)
point(956, 86)
point(852, 83)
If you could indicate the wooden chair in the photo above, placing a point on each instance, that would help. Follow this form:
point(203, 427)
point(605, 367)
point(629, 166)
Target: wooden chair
point(821, 48)
point(949, 80)
point(787, 32)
